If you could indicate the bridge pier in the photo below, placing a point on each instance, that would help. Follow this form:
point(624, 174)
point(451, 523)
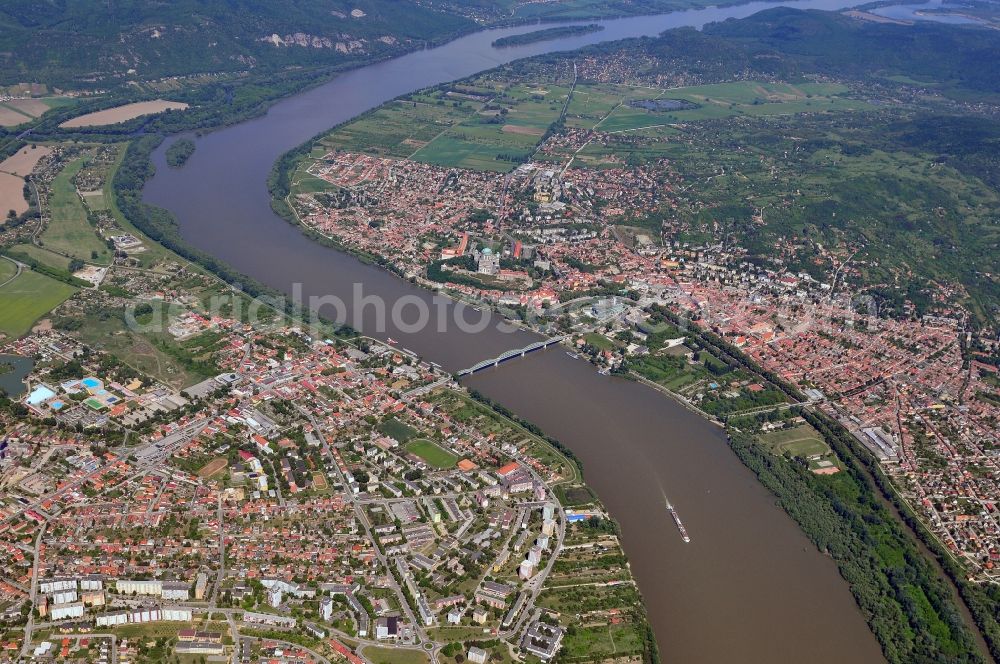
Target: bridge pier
point(494, 362)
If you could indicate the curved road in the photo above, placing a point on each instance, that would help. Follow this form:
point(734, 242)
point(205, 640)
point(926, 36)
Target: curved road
point(748, 566)
point(18, 265)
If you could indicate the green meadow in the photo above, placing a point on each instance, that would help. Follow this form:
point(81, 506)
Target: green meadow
point(69, 232)
point(28, 298)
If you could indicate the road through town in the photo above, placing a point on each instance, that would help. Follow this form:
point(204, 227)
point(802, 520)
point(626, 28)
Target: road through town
point(748, 570)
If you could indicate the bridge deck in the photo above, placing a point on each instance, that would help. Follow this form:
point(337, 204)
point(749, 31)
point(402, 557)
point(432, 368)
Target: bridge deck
point(517, 352)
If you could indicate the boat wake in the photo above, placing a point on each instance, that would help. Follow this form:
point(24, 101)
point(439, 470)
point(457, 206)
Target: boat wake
point(676, 517)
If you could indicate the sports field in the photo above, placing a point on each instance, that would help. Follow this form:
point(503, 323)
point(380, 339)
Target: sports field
point(801, 441)
point(397, 430)
point(213, 467)
point(28, 298)
point(432, 453)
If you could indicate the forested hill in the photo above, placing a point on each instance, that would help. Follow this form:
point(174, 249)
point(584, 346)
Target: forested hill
point(100, 43)
point(76, 43)
point(823, 42)
point(786, 43)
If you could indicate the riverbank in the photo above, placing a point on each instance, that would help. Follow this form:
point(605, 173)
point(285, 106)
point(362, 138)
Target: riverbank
point(890, 641)
point(641, 443)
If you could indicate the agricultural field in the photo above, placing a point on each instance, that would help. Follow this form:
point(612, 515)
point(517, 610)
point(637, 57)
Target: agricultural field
point(484, 125)
point(497, 140)
point(18, 111)
point(598, 565)
point(634, 110)
point(725, 100)
point(10, 117)
point(24, 160)
point(122, 113)
point(587, 598)
point(12, 172)
point(801, 441)
point(401, 127)
point(7, 270)
point(432, 453)
point(42, 255)
point(69, 232)
point(11, 195)
point(28, 298)
point(593, 102)
point(492, 125)
point(625, 112)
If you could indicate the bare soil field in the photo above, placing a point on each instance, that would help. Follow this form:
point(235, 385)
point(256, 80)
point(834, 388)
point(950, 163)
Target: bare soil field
point(122, 113)
point(23, 162)
point(33, 107)
point(212, 467)
point(11, 195)
point(527, 131)
point(9, 117)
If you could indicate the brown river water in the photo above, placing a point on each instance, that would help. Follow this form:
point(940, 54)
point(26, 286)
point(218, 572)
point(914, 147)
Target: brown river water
point(749, 587)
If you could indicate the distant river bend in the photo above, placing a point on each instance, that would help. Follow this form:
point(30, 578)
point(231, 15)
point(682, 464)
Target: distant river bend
point(749, 587)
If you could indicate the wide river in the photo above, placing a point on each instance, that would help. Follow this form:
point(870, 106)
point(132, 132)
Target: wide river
point(749, 587)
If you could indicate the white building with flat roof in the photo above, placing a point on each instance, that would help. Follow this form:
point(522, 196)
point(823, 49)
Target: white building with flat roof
point(175, 590)
point(64, 611)
point(139, 587)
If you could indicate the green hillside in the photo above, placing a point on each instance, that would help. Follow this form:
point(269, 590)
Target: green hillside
point(71, 43)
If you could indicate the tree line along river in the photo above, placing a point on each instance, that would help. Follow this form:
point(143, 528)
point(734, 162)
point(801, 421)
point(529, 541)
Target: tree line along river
point(749, 587)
